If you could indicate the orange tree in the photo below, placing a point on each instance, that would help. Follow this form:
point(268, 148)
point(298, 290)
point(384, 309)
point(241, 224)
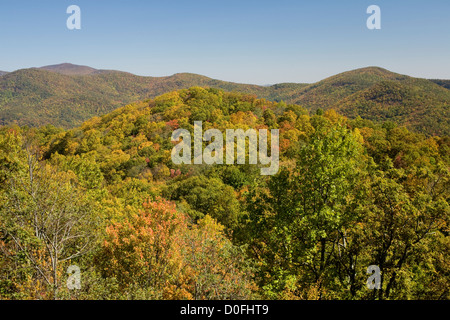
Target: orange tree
point(158, 254)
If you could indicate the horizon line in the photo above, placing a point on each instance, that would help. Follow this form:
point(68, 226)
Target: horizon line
point(213, 78)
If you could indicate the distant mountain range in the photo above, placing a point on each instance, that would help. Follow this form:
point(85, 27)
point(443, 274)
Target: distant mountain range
point(66, 95)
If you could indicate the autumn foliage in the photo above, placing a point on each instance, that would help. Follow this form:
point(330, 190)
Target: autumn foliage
point(349, 193)
point(156, 250)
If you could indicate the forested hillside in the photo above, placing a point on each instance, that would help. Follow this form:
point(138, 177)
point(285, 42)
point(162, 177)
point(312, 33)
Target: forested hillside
point(442, 83)
point(37, 97)
point(377, 94)
point(66, 95)
point(106, 197)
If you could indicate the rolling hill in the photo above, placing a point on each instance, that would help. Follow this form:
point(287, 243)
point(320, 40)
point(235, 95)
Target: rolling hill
point(36, 97)
point(378, 94)
point(66, 95)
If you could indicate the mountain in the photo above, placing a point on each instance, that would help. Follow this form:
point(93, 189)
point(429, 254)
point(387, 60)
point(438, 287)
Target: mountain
point(330, 91)
point(36, 97)
point(378, 94)
point(66, 95)
point(421, 104)
point(2, 73)
point(70, 69)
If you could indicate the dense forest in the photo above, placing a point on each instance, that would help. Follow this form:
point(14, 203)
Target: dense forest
point(107, 198)
point(67, 95)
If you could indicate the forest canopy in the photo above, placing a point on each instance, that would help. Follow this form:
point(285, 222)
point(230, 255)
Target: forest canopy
point(106, 197)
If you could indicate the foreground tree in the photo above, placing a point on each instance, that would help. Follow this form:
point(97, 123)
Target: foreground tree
point(300, 220)
point(44, 221)
point(400, 230)
point(157, 254)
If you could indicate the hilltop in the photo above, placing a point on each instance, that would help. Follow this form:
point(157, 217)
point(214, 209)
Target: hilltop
point(66, 95)
point(69, 69)
point(378, 94)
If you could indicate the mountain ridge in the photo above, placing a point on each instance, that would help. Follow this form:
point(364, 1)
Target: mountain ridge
point(66, 95)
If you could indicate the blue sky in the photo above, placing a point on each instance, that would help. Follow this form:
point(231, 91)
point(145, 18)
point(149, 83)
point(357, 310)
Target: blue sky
point(261, 42)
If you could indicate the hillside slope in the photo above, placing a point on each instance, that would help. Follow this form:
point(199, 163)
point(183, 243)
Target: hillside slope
point(442, 83)
point(66, 95)
point(36, 97)
point(378, 94)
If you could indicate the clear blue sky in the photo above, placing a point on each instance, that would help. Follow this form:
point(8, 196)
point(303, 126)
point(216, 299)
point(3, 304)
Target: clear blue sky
point(247, 41)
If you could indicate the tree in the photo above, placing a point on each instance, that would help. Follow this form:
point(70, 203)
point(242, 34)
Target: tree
point(216, 268)
point(207, 196)
point(143, 252)
point(158, 254)
point(400, 230)
point(303, 215)
point(45, 218)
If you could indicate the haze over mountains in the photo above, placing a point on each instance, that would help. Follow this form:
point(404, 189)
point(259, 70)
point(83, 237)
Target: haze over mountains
point(66, 95)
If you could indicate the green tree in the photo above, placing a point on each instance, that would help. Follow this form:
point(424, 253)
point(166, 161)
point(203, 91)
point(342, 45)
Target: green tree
point(45, 218)
point(207, 196)
point(306, 211)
